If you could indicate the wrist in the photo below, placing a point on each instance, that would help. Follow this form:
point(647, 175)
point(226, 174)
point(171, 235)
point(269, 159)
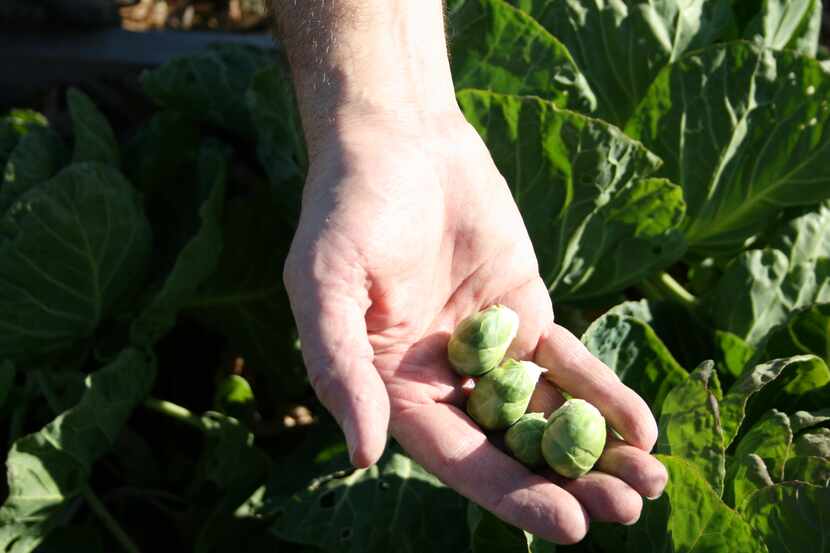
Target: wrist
point(381, 59)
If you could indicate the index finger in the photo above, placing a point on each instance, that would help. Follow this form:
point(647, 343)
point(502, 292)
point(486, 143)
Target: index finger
point(575, 370)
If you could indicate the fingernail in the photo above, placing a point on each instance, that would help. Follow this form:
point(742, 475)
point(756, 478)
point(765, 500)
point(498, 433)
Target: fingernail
point(658, 496)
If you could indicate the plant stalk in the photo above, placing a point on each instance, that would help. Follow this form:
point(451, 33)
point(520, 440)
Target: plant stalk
point(669, 288)
point(111, 524)
point(172, 410)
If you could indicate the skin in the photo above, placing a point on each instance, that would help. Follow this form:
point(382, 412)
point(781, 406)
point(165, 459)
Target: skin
point(406, 228)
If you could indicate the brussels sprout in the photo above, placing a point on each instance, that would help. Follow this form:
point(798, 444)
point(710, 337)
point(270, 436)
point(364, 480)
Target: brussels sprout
point(501, 396)
point(480, 341)
point(574, 438)
point(524, 439)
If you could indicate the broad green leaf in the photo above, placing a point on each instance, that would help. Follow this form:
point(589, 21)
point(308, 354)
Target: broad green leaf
point(690, 518)
point(802, 385)
point(94, 139)
point(245, 299)
point(791, 517)
point(633, 351)
point(780, 378)
point(72, 246)
point(38, 156)
point(197, 260)
point(801, 420)
point(7, 372)
point(280, 147)
point(209, 85)
point(812, 470)
point(788, 24)
point(743, 130)
point(230, 468)
point(733, 354)
point(394, 505)
point(499, 48)
point(761, 288)
point(771, 440)
point(160, 154)
point(50, 468)
point(621, 46)
point(815, 443)
point(686, 335)
point(806, 331)
point(747, 474)
point(489, 534)
point(596, 223)
point(690, 425)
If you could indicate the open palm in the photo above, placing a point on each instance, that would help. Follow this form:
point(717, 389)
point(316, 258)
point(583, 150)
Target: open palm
point(402, 235)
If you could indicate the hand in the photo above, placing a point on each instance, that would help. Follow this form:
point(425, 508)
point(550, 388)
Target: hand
point(406, 228)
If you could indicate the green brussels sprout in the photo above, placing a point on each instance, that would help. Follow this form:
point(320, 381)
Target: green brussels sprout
point(480, 341)
point(524, 439)
point(574, 438)
point(501, 396)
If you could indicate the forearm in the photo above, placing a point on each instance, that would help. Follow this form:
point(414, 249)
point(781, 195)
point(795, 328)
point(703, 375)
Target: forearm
point(358, 57)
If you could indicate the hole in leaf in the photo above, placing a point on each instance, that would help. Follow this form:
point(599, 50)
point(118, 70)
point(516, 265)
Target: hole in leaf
point(657, 250)
point(345, 534)
point(327, 500)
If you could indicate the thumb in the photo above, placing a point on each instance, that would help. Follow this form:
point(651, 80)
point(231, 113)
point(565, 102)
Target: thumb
point(339, 359)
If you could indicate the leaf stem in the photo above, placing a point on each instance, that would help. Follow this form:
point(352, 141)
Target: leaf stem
point(666, 286)
point(175, 411)
point(111, 524)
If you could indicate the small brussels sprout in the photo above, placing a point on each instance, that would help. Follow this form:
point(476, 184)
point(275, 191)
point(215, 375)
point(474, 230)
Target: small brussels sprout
point(574, 438)
point(524, 439)
point(480, 341)
point(501, 396)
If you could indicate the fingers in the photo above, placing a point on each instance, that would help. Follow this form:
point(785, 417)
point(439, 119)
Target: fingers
point(339, 361)
point(605, 497)
point(640, 470)
point(574, 369)
point(445, 442)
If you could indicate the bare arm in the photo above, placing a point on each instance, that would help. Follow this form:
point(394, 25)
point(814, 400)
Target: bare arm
point(406, 228)
point(352, 58)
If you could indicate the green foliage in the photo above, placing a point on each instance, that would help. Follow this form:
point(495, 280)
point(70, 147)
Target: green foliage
point(598, 222)
point(651, 146)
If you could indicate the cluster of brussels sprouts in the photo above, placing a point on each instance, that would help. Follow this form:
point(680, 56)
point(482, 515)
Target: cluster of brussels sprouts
point(570, 441)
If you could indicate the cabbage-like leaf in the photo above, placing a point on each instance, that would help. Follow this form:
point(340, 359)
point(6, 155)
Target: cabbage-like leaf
point(50, 468)
point(790, 516)
point(279, 139)
point(621, 46)
point(245, 300)
point(761, 288)
point(788, 24)
point(72, 246)
point(490, 534)
point(94, 139)
point(394, 505)
point(744, 130)
point(198, 258)
point(37, 157)
point(690, 425)
point(210, 85)
point(632, 349)
point(597, 222)
point(812, 470)
point(784, 382)
point(806, 331)
point(499, 48)
point(690, 517)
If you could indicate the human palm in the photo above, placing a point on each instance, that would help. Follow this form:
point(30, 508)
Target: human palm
point(402, 235)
